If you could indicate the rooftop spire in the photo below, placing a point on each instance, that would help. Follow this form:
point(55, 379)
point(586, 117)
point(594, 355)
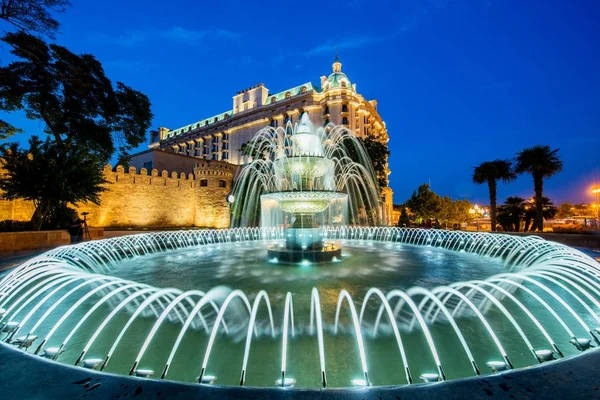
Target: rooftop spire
point(337, 65)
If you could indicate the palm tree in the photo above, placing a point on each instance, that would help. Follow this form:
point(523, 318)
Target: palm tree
point(516, 209)
point(541, 162)
point(491, 172)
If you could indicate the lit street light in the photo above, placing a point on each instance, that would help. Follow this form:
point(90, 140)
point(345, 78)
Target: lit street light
point(596, 191)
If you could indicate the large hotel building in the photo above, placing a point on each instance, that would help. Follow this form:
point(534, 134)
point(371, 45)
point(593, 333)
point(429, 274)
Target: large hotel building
point(221, 136)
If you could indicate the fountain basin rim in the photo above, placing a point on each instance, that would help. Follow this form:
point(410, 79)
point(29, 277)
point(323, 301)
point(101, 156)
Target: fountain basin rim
point(305, 195)
point(534, 375)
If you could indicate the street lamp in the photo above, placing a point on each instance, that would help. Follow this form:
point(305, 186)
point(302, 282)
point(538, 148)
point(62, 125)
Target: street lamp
point(230, 199)
point(475, 212)
point(596, 191)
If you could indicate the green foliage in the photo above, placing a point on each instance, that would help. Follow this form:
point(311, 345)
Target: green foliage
point(491, 172)
point(426, 204)
point(511, 213)
point(50, 176)
point(7, 130)
point(85, 117)
point(378, 154)
point(257, 148)
point(565, 210)
point(573, 229)
point(404, 218)
point(33, 15)
point(516, 210)
point(540, 162)
point(9, 225)
point(74, 99)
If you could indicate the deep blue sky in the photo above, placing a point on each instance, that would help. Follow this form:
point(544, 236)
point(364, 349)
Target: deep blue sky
point(458, 82)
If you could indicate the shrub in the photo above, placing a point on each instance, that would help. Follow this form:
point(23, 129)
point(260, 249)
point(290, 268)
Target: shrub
point(571, 229)
point(9, 225)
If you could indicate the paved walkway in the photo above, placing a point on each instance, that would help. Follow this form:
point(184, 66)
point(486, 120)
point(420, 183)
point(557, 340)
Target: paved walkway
point(25, 376)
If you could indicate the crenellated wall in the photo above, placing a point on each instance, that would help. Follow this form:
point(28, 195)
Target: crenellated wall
point(153, 199)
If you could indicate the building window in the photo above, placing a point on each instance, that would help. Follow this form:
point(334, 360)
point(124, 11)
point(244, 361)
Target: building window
point(215, 139)
point(326, 110)
point(344, 108)
point(345, 121)
point(287, 119)
point(203, 182)
point(225, 155)
point(303, 89)
point(288, 95)
point(365, 119)
point(226, 136)
point(148, 165)
point(222, 183)
point(215, 148)
point(225, 146)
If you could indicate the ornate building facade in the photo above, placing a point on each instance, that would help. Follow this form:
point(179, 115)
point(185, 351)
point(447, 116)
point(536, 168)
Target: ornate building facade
point(221, 136)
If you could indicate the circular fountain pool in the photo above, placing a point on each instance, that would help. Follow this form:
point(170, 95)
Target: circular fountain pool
point(181, 304)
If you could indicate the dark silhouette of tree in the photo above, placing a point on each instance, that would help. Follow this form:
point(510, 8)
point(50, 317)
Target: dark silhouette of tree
point(74, 99)
point(33, 16)
point(548, 212)
point(540, 162)
point(85, 117)
point(378, 154)
point(49, 177)
point(404, 219)
point(491, 172)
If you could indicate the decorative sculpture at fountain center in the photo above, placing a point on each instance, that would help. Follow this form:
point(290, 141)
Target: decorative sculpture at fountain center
point(301, 177)
point(308, 178)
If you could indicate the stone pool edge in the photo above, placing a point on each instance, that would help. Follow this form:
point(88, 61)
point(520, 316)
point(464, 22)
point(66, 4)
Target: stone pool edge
point(25, 376)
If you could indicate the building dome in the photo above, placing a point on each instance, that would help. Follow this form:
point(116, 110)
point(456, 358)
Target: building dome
point(337, 78)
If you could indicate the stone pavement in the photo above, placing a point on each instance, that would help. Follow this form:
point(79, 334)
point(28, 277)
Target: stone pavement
point(25, 376)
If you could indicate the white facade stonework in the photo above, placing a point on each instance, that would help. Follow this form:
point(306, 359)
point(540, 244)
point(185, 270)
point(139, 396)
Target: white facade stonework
point(221, 136)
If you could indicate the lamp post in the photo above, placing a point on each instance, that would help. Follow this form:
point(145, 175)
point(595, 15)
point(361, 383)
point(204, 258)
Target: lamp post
point(475, 211)
point(230, 199)
point(596, 191)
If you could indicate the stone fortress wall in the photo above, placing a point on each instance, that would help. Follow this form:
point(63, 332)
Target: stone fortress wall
point(153, 199)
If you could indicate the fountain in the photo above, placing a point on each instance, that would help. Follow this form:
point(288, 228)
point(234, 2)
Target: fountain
point(205, 306)
point(99, 305)
point(307, 171)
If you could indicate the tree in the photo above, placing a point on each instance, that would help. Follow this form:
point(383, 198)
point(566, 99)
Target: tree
point(514, 207)
point(71, 95)
point(257, 148)
point(378, 154)
point(491, 172)
point(33, 16)
point(548, 212)
point(540, 162)
point(565, 210)
point(424, 203)
point(404, 219)
point(49, 177)
point(85, 117)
